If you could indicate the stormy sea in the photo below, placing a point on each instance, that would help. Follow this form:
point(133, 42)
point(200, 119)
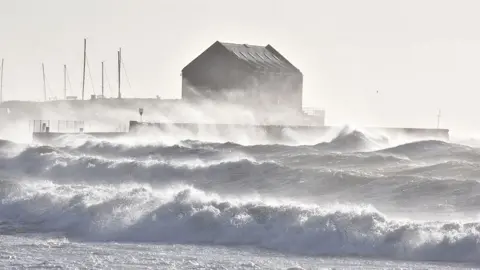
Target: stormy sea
point(346, 200)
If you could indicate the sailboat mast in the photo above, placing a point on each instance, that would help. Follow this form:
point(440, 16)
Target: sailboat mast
point(84, 62)
point(1, 82)
point(119, 72)
point(102, 81)
point(44, 84)
point(438, 118)
point(65, 81)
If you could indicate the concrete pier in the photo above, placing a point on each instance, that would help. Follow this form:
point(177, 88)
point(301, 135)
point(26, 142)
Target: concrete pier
point(272, 131)
point(277, 131)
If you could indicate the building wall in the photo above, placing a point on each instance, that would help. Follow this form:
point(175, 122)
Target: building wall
point(217, 75)
point(276, 89)
point(212, 72)
point(254, 90)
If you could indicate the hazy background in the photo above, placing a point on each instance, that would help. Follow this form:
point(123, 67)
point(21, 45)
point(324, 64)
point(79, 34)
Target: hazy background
point(419, 55)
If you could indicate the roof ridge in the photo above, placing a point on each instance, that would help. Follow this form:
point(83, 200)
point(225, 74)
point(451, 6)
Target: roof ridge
point(262, 58)
point(242, 44)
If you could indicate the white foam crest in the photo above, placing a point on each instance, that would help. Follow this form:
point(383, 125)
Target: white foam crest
point(152, 138)
point(210, 134)
point(183, 214)
point(65, 159)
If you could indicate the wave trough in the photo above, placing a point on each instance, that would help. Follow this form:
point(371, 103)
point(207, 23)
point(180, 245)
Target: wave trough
point(353, 195)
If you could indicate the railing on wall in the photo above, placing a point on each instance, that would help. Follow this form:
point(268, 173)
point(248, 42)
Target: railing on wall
point(73, 126)
point(316, 114)
point(121, 128)
point(66, 126)
point(314, 111)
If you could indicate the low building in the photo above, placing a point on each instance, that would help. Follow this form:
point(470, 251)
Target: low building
point(255, 76)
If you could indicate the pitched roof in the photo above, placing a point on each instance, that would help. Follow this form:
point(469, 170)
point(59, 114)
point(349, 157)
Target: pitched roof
point(260, 57)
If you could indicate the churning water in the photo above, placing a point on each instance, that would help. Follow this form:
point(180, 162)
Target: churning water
point(354, 200)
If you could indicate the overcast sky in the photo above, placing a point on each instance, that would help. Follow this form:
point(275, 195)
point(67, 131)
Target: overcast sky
point(419, 55)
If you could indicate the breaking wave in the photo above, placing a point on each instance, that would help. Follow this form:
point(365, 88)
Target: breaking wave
point(185, 215)
point(355, 194)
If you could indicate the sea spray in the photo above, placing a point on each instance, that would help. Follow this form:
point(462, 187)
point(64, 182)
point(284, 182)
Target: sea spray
point(185, 215)
point(342, 196)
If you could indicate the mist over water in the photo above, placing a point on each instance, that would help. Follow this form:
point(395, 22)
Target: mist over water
point(346, 193)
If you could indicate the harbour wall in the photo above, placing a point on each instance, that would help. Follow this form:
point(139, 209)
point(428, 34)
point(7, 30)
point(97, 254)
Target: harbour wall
point(49, 137)
point(277, 131)
point(272, 131)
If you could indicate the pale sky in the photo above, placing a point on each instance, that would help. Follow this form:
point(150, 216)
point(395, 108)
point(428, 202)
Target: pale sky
point(419, 55)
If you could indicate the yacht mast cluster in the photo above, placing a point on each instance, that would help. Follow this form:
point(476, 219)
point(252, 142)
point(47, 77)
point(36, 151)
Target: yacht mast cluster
point(84, 71)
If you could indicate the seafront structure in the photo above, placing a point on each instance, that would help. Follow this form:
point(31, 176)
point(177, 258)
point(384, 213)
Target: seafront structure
point(251, 75)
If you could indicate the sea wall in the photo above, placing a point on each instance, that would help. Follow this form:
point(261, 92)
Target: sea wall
point(49, 137)
point(278, 131)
